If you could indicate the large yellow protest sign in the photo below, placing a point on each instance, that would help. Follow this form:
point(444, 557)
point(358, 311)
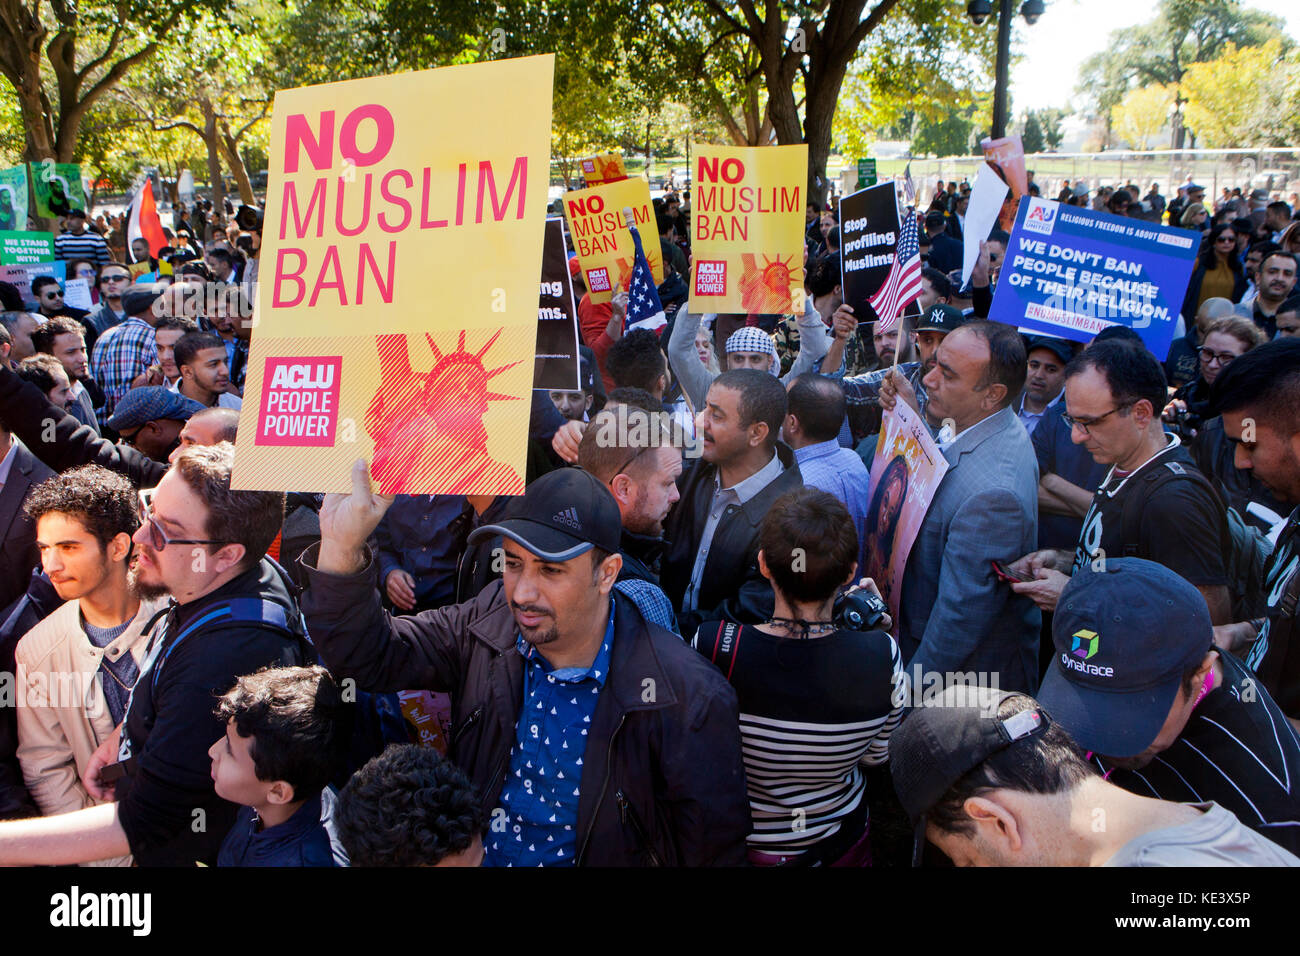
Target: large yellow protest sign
point(602, 240)
point(397, 305)
point(747, 225)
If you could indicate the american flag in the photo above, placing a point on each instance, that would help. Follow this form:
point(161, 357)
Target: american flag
point(644, 309)
point(909, 187)
point(903, 284)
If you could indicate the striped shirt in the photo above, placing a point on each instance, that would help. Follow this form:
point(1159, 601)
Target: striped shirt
point(1237, 750)
point(810, 712)
point(88, 245)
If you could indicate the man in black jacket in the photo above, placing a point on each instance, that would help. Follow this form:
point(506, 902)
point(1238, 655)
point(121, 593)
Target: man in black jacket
point(62, 442)
point(591, 736)
point(231, 614)
point(711, 567)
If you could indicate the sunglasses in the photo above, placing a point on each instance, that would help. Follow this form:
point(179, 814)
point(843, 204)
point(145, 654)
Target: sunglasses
point(158, 538)
point(52, 295)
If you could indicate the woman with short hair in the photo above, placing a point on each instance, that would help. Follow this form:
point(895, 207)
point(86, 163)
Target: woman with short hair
point(816, 699)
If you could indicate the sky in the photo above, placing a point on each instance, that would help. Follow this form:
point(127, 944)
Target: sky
point(1072, 30)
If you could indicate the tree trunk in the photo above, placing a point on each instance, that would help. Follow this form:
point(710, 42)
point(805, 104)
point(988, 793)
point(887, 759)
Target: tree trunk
point(237, 168)
point(211, 141)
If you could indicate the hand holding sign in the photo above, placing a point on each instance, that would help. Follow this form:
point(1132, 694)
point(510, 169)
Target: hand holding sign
point(895, 386)
point(346, 521)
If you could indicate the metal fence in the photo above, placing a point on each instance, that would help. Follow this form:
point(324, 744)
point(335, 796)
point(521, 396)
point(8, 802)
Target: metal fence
point(1274, 170)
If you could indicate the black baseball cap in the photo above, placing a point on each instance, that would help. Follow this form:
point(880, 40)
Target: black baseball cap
point(1062, 349)
point(942, 317)
point(561, 515)
point(1125, 632)
point(140, 298)
point(942, 741)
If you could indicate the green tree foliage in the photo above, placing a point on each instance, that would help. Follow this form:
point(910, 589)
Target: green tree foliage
point(61, 57)
point(1160, 51)
point(1142, 114)
point(1246, 97)
point(1031, 137)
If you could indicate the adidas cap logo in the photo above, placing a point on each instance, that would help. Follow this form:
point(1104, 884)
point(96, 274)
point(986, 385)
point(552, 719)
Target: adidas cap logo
point(569, 518)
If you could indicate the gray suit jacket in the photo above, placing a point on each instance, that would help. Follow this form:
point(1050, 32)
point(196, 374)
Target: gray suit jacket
point(956, 615)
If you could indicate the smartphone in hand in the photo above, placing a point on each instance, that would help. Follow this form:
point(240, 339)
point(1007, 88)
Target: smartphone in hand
point(1005, 574)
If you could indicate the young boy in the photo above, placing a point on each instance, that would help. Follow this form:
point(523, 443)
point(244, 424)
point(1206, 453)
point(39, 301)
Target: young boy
point(286, 737)
point(410, 807)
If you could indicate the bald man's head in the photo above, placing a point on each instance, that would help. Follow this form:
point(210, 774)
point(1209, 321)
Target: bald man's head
point(208, 427)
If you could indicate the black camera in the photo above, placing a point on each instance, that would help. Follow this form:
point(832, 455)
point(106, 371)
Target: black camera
point(859, 611)
point(249, 218)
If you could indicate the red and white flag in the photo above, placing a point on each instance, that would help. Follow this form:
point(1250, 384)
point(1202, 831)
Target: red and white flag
point(144, 222)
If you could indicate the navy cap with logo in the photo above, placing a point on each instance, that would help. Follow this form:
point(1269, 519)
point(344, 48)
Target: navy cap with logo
point(561, 515)
point(1124, 635)
point(941, 742)
point(942, 317)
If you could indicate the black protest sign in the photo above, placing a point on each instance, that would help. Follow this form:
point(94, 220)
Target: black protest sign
point(557, 317)
point(868, 237)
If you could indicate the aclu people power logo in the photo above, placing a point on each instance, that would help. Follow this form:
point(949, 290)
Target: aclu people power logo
point(1041, 217)
point(300, 401)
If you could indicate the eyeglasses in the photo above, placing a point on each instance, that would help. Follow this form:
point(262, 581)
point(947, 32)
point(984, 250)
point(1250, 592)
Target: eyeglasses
point(1209, 357)
point(157, 536)
point(114, 278)
point(1084, 426)
point(622, 469)
point(52, 295)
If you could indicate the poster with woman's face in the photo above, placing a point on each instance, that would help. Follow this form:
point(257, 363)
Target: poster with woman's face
point(905, 474)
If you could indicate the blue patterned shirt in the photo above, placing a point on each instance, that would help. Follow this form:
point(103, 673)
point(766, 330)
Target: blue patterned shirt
point(540, 796)
point(650, 600)
point(121, 353)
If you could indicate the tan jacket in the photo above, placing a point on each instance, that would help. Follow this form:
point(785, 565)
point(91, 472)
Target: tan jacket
point(62, 712)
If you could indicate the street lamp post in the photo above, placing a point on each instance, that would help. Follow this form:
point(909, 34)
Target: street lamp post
point(979, 11)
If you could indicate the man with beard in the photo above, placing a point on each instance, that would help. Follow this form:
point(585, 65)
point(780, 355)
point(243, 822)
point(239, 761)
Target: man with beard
point(77, 667)
point(599, 738)
point(1277, 280)
point(1137, 681)
point(1258, 397)
point(205, 374)
point(634, 455)
point(232, 614)
point(711, 567)
point(930, 330)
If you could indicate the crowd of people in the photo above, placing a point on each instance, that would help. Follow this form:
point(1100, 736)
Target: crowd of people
point(665, 651)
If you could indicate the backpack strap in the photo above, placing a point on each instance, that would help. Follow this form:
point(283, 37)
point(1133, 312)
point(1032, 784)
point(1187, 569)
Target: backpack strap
point(1156, 478)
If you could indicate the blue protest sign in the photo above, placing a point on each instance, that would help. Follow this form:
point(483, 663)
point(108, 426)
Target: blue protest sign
point(1070, 272)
